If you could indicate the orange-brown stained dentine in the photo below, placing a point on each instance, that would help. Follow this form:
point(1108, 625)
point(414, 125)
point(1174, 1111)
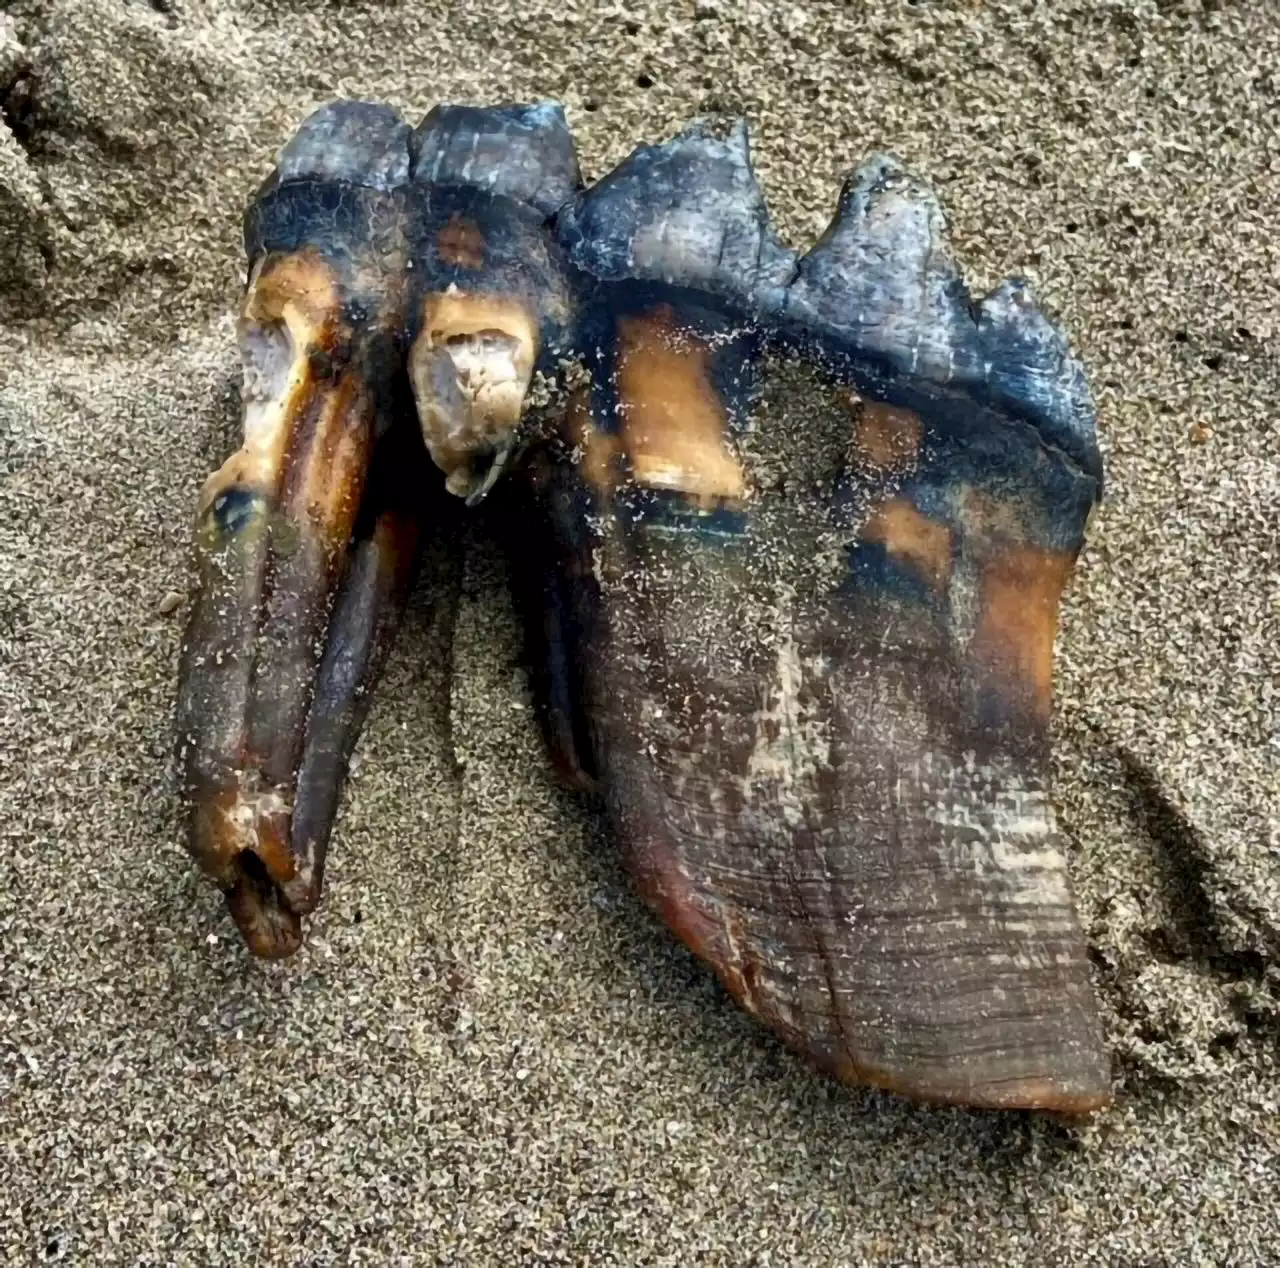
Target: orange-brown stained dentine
point(886, 439)
point(303, 280)
point(673, 423)
point(461, 243)
point(913, 539)
point(1019, 591)
point(460, 314)
point(328, 460)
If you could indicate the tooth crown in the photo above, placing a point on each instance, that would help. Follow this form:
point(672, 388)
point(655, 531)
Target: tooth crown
point(879, 294)
point(336, 184)
point(882, 289)
point(524, 153)
point(361, 142)
point(688, 212)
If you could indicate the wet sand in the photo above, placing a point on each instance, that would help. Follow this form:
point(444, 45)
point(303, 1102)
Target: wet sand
point(488, 1052)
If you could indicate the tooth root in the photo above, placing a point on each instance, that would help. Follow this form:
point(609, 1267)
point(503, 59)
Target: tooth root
point(402, 513)
point(687, 212)
point(325, 241)
point(489, 289)
point(556, 592)
point(271, 929)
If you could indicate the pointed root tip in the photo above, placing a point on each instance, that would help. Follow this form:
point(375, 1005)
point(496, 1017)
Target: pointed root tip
point(1071, 1092)
point(271, 929)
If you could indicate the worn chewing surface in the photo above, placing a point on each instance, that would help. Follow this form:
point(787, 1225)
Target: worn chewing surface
point(487, 1052)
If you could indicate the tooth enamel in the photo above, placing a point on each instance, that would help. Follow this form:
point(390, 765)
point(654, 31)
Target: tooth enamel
point(688, 210)
point(881, 282)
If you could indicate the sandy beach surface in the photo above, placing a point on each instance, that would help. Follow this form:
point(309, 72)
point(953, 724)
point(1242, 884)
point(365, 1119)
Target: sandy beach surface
point(488, 1052)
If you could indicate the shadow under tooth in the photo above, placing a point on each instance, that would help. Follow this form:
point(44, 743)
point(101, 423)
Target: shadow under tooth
point(881, 294)
point(540, 517)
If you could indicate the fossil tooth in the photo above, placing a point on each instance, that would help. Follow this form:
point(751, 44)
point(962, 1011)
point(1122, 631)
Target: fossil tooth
point(806, 604)
point(490, 293)
point(792, 567)
point(317, 335)
point(368, 241)
point(359, 142)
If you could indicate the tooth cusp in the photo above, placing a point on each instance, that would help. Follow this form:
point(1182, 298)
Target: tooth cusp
point(1030, 365)
point(688, 212)
point(881, 287)
point(360, 142)
point(522, 152)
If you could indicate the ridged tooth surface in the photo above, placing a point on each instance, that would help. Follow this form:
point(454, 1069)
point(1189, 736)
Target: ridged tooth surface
point(1027, 360)
point(522, 152)
point(687, 212)
point(882, 288)
point(883, 272)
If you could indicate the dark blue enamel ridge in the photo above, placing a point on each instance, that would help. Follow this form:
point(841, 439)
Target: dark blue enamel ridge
point(522, 152)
